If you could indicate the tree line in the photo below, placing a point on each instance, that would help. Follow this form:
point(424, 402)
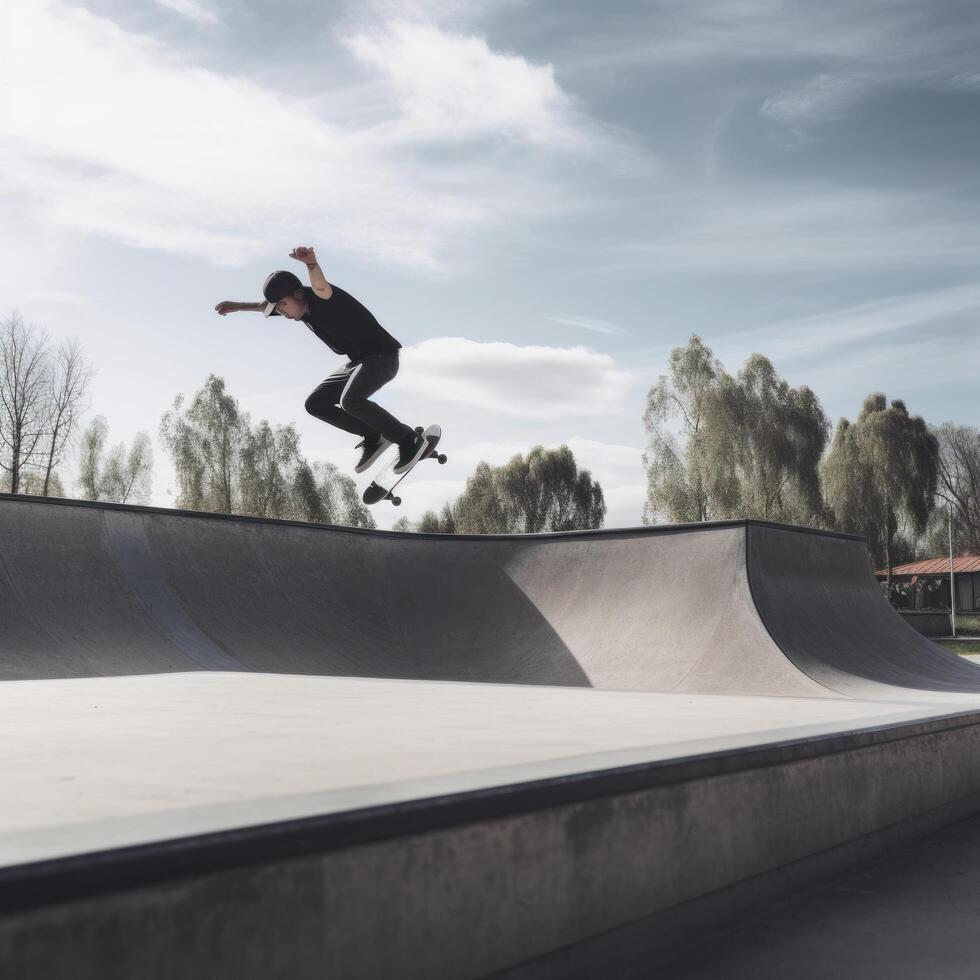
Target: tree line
point(720, 446)
point(222, 461)
point(723, 446)
point(225, 463)
point(542, 491)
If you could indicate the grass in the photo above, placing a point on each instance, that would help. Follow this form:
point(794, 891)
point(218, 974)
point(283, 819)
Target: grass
point(968, 625)
point(960, 646)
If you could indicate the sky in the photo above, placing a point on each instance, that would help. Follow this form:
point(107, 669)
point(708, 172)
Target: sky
point(538, 199)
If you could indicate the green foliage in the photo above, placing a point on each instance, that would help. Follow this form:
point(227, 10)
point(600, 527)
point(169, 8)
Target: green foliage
point(226, 465)
point(33, 483)
point(676, 473)
point(269, 456)
point(880, 477)
point(432, 523)
point(118, 475)
point(543, 491)
point(322, 494)
point(206, 441)
point(731, 447)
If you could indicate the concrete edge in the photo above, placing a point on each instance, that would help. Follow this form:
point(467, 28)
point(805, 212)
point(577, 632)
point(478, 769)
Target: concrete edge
point(612, 532)
point(657, 942)
point(30, 885)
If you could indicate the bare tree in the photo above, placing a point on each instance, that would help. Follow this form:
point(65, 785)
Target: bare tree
point(959, 482)
point(70, 379)
point(25, 397)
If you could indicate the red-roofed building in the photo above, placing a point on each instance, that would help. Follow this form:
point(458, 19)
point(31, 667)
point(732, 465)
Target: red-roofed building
point(926, 583)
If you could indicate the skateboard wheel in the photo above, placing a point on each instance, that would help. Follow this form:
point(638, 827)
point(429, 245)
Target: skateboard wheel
point(397, 501)
point(419, 430)
point(442, 458)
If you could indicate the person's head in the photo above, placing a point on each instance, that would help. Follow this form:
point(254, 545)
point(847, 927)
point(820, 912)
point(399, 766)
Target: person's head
point(284, 295)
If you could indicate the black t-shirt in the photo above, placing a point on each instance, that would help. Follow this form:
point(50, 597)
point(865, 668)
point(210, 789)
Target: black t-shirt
point(345, 325)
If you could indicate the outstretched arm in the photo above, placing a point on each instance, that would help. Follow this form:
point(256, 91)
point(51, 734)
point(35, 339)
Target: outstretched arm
point(227, 306)
point(306, 255)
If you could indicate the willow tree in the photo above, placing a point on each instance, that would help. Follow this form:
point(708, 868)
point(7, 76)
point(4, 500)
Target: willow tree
point(269, 459)
point(542, 491)
point(546, 491)
point(320, 493)
point(675, 414)
point(764, 440)
point(431, 522)
point(881, 472)
point(479, 510)
point(205, 440)
point(723, 446)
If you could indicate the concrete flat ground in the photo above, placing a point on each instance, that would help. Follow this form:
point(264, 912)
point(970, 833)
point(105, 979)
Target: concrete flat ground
point(101, 763)
point(911, 914)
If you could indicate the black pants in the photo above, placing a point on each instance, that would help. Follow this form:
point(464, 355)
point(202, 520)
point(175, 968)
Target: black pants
point(342, 400)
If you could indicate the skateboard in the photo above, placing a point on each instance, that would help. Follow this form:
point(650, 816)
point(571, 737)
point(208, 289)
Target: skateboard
point(382, 487)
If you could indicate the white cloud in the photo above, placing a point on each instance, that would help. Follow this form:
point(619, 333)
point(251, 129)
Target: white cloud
point(192, 10)
point(435, 11)
point(523, 382)
point(454, 87)
point(607, 461)
point(624, 505)
point(418, 496)
point(110, 133)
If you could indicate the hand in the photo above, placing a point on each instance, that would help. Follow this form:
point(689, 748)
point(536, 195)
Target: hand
point(226, 306)
point(304, 254)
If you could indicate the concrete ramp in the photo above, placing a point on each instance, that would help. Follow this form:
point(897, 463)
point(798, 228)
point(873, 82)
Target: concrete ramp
point(819, 600)
point(734, 607)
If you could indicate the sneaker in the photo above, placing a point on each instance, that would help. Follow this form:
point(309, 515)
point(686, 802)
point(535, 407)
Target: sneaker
point(371, 451)
point(410, 452)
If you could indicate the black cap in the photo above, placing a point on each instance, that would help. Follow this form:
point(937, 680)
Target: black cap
point(277, 285)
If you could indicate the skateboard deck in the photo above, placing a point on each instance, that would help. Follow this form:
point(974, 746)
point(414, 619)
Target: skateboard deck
point(382, 487)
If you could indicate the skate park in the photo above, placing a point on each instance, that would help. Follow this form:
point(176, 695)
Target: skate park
point(242, 747)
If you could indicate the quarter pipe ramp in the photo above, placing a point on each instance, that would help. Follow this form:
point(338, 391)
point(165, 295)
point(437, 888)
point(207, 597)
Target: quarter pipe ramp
point(735, 607)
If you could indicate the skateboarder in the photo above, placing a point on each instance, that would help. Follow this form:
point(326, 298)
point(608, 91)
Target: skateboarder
point(349, 328)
